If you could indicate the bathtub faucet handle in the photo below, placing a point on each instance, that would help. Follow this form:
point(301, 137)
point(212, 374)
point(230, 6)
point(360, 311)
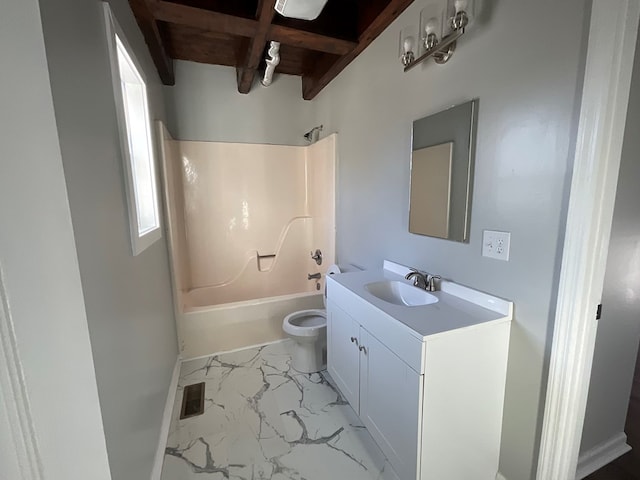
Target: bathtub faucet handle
point(313, 276)
point(317, 256)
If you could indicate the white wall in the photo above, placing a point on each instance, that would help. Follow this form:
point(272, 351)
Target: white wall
point(205, 105)
point(40, 268)
point(619, 329)
point(526, 122)
point(128, 299)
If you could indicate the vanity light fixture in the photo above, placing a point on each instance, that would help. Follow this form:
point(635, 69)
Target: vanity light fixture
point(439, 33)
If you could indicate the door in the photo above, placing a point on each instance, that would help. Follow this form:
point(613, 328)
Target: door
point(343, 356)
point(390, 404)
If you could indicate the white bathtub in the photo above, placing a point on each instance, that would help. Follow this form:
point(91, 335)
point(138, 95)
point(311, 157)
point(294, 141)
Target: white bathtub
point(243, 220)
point(211, 329)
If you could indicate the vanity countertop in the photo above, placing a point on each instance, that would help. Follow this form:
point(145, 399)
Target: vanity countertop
point(457, 306)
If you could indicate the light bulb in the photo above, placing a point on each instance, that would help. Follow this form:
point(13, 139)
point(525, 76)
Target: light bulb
point(460, 13)
point(431, 26)
point(408, 44)
point(461, 5)
point(431, 33)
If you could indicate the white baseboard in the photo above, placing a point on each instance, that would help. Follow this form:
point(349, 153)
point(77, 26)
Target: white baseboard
point(601, 455)
point(166, 422)
point(597, 457)
point(234, 350)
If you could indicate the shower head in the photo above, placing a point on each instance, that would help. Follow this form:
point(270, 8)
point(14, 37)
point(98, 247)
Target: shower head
point(313, 135)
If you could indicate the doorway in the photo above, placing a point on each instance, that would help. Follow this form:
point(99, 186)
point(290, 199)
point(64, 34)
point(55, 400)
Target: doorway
point(627, 467)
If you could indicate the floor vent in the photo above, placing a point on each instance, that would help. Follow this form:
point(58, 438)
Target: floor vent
point(192, 400)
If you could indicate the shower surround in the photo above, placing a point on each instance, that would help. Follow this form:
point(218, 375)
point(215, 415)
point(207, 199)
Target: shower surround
point(243, 220)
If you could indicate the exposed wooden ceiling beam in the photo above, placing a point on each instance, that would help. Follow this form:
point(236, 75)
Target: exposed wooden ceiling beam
point(247, 72)
point(247, 27)
point(312, 41)
point(328, 69)
point(204, 19)
point(187, 43)
point(143, 11)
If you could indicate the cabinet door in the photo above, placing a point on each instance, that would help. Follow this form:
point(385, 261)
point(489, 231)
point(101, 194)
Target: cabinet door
point(343, 361)
point(390, 405)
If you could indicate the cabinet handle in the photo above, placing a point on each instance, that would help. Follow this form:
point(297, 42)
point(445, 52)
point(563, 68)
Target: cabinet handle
point(362, 348)
point(354, 340)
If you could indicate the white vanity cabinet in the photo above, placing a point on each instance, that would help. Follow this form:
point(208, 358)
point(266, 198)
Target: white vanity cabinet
point(432, 402)
point(383, 390)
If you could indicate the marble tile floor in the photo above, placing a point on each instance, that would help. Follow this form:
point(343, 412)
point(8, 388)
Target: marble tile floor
point(264, 420)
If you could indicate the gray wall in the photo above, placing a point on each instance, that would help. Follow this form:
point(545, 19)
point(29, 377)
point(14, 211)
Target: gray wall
point(128, 299)
point(619, 329)
point(526, 122)
point(205, 105)
point(40, 290)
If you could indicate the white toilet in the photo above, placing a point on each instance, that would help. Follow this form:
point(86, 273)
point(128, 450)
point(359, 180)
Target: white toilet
point(308, 330)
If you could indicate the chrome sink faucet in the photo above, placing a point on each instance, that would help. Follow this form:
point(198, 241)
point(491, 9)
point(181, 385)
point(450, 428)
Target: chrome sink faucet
point(420, 279)
point(423, 280)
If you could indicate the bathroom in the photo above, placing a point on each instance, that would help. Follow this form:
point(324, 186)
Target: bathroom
point(119, 326)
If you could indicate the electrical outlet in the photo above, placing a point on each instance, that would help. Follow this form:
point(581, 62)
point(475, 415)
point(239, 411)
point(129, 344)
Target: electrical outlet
point(496, 245)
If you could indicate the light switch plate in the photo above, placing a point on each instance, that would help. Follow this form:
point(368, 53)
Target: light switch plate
point(496, 245)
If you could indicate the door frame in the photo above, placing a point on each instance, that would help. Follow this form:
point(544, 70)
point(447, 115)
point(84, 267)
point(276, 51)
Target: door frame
point(607, 81)
point(13, 394)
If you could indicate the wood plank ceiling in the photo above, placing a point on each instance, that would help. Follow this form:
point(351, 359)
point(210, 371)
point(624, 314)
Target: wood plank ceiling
point(237, 33)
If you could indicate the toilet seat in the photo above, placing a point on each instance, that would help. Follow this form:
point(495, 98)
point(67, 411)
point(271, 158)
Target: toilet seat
point(305, 323)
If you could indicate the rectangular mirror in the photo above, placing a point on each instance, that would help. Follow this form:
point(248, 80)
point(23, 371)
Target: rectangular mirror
point(442, 173)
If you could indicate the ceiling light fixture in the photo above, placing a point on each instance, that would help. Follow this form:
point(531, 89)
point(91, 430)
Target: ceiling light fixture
point(301, 9)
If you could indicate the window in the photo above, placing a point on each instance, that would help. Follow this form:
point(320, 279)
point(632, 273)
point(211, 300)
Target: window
point(136, 139)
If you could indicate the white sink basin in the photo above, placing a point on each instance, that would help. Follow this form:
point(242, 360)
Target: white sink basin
point(400, 293)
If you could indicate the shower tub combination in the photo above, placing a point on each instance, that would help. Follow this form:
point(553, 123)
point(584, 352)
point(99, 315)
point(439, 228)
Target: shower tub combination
point(244, 221)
